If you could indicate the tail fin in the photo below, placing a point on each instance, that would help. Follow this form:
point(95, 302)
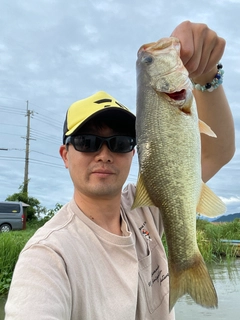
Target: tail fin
point(193, 280)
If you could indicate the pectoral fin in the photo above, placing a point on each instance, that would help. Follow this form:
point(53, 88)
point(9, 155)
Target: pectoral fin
point(209, 203)
point(142, 198)
point(204, 128)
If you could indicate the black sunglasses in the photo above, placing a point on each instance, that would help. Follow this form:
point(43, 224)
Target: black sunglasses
point(92, 143)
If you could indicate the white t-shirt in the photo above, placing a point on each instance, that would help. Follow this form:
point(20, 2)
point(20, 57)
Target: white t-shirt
point(72, 269)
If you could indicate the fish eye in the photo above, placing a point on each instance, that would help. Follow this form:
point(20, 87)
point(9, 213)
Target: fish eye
point(147, 59)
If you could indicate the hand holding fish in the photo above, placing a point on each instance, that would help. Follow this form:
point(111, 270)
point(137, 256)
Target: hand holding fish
point(201, 50)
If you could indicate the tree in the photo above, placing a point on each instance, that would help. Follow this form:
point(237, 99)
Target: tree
point(34, 209)
point(51, 212)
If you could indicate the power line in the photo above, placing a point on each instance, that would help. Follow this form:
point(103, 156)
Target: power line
point(13, 125)
point(17, 111)
point(34, 161)
point(48, 155)
point(11, 134)
point(38, 137)
point(9, 149)
point(48, 120)
point(10, 98)
point(47, 163)
point(11, 158)
point(44, 134)
point(38, 116)
point(10, 108)
point(30, 134)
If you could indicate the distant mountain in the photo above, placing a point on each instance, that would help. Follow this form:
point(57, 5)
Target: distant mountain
point(223, 218)
point(227, 218)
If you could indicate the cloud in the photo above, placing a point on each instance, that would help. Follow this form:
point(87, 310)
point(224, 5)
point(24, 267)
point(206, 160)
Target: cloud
point(56, 52)
point(231, 200)
point(232, 204)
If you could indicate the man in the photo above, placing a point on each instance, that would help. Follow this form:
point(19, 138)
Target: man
point(97, 258)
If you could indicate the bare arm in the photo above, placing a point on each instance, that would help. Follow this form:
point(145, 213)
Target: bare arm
point(214, 110)
point(201, 50)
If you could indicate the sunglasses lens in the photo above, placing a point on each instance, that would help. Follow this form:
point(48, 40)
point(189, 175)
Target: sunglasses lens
point(92, 143)
point(121, 144)
point(86, 143)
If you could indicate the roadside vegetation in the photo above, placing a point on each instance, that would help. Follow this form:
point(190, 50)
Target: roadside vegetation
point(209, 238)
point(11, 244)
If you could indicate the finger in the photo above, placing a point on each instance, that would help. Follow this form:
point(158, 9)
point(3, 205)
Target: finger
point(216, 54)
point(203, 44)
point(201, 48)
point(185, 35)
point(211, 53)
point(200, 58)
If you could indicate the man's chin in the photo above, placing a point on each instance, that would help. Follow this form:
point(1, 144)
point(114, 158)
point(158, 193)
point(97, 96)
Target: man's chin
point(105, 190)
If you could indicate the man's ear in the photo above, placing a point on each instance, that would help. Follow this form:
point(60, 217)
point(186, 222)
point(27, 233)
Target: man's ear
point(64, 154)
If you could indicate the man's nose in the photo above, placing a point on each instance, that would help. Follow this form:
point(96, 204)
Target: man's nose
point(104, 153)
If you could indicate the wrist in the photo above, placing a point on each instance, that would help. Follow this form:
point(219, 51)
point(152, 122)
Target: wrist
point(206, 77)
point(209, 81)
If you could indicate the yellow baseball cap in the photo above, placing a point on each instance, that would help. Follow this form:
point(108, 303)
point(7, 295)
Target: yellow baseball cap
point(83, 110)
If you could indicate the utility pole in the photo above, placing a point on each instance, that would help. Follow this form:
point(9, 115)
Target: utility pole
point(25, 183)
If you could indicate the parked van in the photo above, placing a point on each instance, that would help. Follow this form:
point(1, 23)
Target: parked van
point(12, 215)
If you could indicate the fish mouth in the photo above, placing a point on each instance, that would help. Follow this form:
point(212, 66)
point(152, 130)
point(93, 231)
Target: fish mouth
point(177, 95)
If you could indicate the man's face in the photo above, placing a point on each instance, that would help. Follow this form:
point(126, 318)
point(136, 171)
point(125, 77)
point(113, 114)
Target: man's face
point(99, 174)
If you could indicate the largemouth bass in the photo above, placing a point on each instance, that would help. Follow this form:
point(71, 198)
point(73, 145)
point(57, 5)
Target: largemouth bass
point(169, 152)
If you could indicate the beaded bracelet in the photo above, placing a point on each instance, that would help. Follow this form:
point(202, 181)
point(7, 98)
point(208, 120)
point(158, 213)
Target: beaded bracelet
point(210, 86)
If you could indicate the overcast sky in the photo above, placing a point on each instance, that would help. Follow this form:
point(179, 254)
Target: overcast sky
point(54, 52)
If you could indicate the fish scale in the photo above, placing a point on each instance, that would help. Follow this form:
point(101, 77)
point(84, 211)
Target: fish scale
point(169, 152)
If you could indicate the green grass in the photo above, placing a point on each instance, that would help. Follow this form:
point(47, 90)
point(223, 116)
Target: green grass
point(11, 244)
point(208, 238)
